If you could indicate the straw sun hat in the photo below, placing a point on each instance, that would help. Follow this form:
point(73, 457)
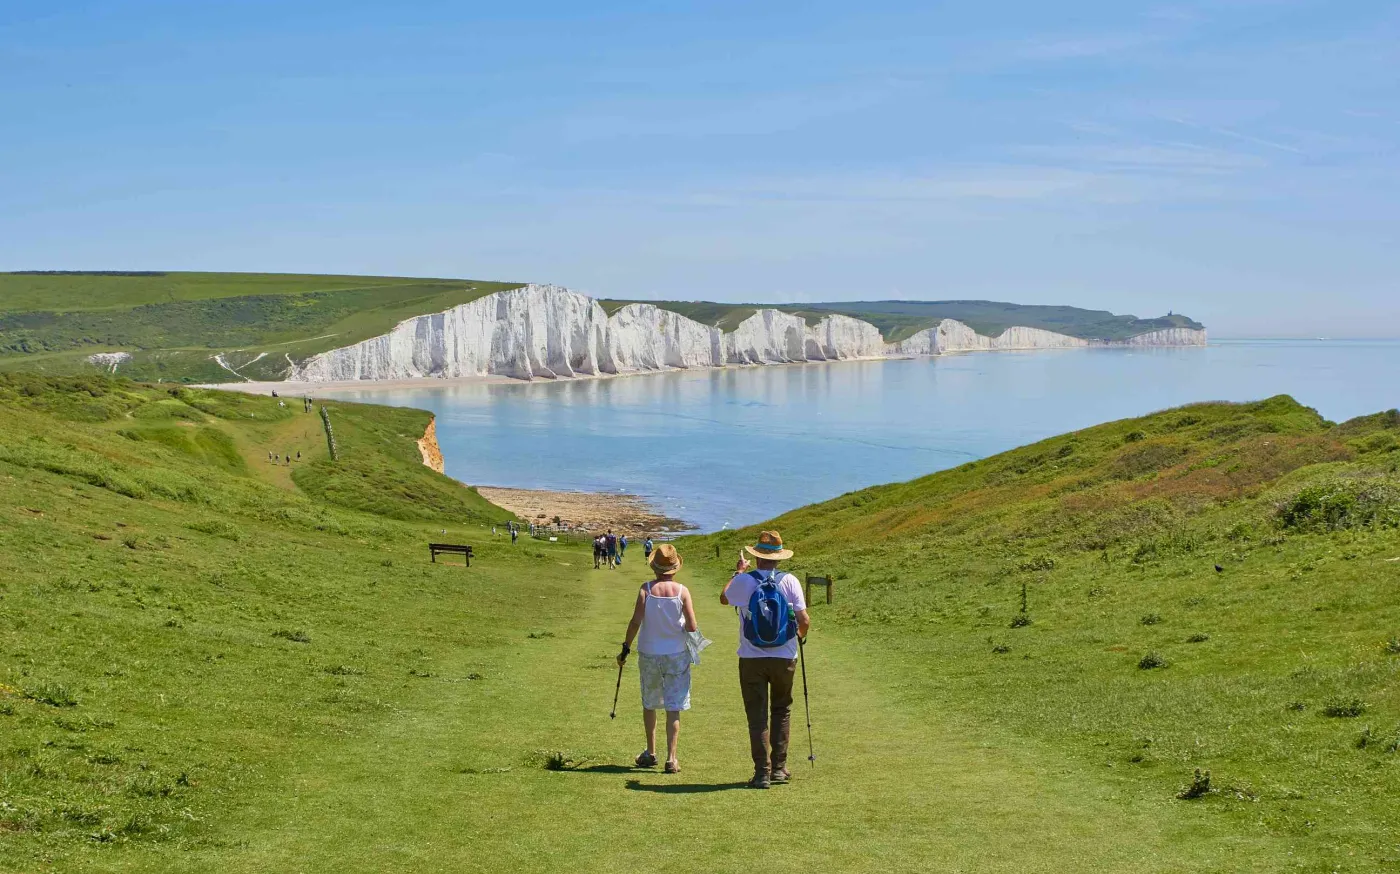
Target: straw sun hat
point(664, 559)
point(769, 546)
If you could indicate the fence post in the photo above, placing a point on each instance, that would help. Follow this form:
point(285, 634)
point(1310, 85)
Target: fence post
point(330, 434)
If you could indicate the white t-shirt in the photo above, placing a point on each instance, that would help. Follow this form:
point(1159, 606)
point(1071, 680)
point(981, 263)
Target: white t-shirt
point(741, 589)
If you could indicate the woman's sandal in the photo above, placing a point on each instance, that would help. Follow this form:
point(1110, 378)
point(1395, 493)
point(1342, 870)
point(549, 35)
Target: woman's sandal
point(673, 767)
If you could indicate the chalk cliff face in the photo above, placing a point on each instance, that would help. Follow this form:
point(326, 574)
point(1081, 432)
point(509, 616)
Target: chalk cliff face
point(1167, 337)
point(548, 331)
point(644, 337)
point(953, 336)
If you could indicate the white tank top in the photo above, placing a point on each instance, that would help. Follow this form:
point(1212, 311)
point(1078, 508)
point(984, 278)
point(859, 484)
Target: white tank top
point(663, 626)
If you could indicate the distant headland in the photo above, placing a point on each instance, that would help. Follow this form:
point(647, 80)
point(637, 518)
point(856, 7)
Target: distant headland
point(236, 327)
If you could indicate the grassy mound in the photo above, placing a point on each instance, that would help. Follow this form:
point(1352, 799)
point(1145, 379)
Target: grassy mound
point(1209, 587)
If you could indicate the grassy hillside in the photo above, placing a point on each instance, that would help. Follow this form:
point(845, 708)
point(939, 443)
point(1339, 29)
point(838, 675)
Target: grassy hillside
point(209, 661)
point(174, 323)
point(1210, 587)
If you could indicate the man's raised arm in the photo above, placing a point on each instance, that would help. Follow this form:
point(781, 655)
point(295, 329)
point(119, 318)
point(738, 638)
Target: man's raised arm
point(741, 567)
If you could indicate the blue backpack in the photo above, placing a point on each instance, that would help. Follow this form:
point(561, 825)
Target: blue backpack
point(770, 620)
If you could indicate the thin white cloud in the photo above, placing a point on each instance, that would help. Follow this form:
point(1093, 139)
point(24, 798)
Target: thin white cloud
point(949, 192)
point(1174, 157)
point(1233, 134)
point(1057, 48)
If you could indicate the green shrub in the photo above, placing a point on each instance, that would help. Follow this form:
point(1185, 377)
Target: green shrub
point(1343, 504)
point(1145, 459)
point(52, 694)
point(1198, 787)
point(1344, 708)
point(1152, 660)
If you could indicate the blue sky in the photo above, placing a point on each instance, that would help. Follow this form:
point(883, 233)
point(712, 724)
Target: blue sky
point(1236, 161)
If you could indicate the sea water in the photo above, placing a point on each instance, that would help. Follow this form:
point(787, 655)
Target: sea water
point(730, 447)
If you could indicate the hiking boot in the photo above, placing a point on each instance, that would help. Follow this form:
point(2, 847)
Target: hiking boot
point(760, 780)
point(780, 776)
point(645, 760)
point(673, 767)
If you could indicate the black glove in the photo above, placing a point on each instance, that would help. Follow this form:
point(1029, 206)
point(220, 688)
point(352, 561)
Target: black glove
point(622, 656)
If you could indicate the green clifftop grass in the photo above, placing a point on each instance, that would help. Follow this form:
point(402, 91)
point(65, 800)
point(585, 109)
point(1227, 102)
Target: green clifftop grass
point(900, 319)
point(174, 323)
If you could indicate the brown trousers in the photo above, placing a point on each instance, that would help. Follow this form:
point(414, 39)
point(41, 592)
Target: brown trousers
point(767, 688)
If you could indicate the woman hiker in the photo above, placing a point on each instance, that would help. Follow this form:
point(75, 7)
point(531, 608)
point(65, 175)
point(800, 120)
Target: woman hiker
point(664, 614)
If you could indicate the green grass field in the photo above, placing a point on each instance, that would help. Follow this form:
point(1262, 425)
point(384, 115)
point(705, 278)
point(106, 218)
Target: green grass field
point(174, 323)
point(213, 662)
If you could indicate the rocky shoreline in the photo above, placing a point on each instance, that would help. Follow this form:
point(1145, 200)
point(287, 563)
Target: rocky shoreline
point(591, 512)
point(574, 511)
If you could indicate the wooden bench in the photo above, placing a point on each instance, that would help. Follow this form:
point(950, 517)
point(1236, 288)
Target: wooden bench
point(818, 581)
point(451, 549)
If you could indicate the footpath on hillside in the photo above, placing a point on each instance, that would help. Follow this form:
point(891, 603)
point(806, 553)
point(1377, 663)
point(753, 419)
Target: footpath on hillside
point(462, 781)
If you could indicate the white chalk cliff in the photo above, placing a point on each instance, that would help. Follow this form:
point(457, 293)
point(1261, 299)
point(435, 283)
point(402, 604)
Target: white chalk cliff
point(549, 331)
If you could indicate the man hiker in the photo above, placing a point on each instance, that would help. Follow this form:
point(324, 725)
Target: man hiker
point(773, 622)
point(610, 542)
point(621, 548)
point(647, 547)
point(514, 532)
point(598, 551)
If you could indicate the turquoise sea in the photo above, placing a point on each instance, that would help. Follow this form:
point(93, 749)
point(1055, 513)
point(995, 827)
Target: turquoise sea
point(732, 447)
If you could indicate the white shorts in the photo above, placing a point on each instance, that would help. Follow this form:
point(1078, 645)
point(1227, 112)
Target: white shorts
point(665, 681)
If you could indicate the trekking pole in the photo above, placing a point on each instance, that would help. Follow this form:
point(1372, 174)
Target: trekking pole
point(806, 704)
point(618, 691)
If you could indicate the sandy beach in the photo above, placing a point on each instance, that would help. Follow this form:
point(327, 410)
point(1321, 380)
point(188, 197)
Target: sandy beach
point(623, 514)
point(289, 389)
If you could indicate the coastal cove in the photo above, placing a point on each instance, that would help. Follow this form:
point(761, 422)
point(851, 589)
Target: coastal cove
point(724, 448)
